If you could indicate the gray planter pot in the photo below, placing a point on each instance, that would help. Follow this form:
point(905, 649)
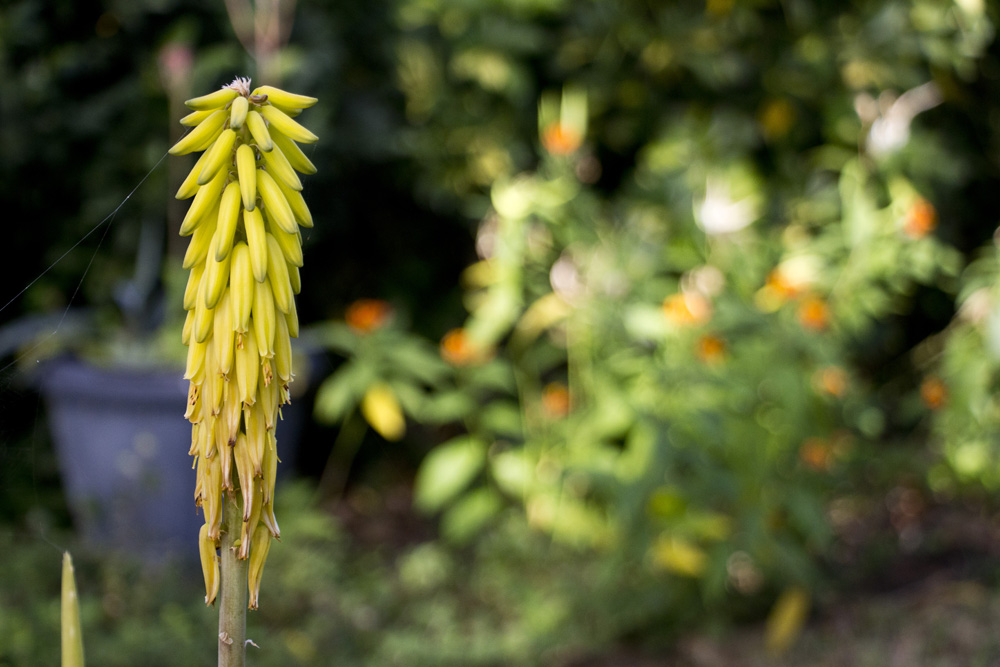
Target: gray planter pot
point(122, 444)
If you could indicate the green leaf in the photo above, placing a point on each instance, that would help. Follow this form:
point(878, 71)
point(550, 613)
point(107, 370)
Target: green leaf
point(415, 359)
point(512, 471)
point(447, 470)
point(341, 392)
point(337, 337)
point(502, 418)
point(470, 514)
point(445, 407)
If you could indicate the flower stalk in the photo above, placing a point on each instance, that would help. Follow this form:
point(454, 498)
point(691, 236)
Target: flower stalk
point(233, 598)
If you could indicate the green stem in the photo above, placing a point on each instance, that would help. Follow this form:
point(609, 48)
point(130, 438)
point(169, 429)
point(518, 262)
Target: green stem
point(338, 466)
point(233, 594)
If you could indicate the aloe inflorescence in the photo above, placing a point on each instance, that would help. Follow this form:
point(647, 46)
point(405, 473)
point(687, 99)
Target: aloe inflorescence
point(244, 257)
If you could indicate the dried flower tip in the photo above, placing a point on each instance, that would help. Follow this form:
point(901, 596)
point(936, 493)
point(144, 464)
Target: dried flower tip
point(241, 85)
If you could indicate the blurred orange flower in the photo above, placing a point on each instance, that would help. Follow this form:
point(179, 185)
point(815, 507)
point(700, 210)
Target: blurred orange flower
point(711, 349)
point(921, 219)
point(780, 285)
point(367, 315)
point(559, 139)
point(555, 400)
point(457, 349)
point(688, 308)
point(831, 380)
point(933, 392)
point(817, 453)
point(814, 313)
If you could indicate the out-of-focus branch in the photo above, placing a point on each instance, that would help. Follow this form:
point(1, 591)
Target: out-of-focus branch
point(263, 29)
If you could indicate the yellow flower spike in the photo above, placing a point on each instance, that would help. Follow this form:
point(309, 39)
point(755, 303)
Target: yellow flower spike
point(244, 273)
point(260, 543)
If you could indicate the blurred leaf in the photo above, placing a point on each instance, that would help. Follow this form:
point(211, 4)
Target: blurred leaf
point(502, 418)
point(413, 357)
point(337, 336)
point(470, 514)
point(512, 470)
point(341, 392)
point(446, 471)
point(446, 406)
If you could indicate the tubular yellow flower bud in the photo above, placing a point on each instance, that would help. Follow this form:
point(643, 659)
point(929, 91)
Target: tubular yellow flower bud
point(241, 309)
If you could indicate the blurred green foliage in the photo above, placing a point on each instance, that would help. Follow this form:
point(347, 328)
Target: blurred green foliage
point(723, 252)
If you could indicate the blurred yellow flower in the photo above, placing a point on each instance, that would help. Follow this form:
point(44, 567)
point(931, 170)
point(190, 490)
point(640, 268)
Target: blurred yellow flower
point(381, 409)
